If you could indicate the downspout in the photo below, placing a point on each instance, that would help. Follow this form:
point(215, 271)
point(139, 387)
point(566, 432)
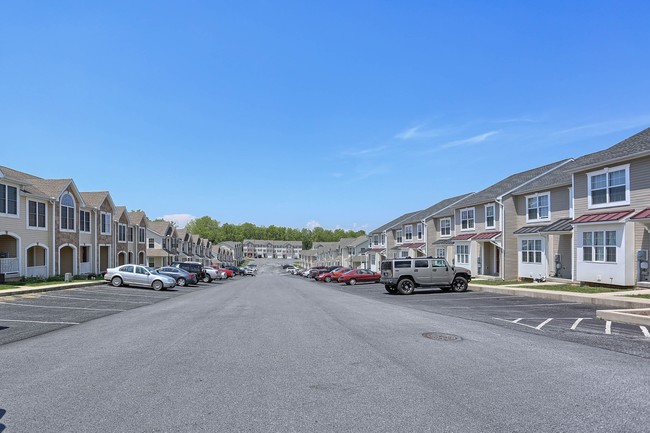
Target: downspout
point(53, 224)
point(95, 246)
point(426, 243)
point(502, 253)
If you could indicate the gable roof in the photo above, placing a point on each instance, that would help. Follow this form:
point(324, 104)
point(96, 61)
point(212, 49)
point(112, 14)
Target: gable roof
point(12, 174)
point(159, 227)
point(436, 208)
point(509, 184)
point(137, 217)
point(394, 222)
point(119, 210)
point(96, 198)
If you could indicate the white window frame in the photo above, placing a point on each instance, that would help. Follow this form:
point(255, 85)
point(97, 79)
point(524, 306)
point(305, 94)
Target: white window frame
point(494, 216)
point(606, 171)
point(130, 234)
point(375, 240)
point(81, 229)
point(445, 226)
point(419, 231)
point(121, 232)
point(462, 254)
point(408, 232)
point(598, 246)
point(74, 213)
point(441, 252)
point(398, 236)
point(529, 250)
point(537, 197)
point(473, 219)
point(105, 220)
point(37, 226)
point(5, 209)
point(403, 254)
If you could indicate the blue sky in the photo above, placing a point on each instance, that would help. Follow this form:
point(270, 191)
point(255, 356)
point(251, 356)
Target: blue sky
point(334, 113)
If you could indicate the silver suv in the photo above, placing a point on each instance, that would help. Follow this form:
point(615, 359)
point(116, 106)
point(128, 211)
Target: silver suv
point(404, 275)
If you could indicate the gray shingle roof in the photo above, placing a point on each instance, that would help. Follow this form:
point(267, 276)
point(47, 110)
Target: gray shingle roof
point(159, 226)
point(94, 199)
point(51, 187)
point(18, 175)
point(508, 184)
point(394, 222)
point(432, 210)
point(137, 217)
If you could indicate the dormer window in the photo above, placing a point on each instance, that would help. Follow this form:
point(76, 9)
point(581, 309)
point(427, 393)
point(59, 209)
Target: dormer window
point(67, 212)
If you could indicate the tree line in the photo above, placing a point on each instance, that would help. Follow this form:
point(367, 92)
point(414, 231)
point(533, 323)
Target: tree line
point(211, 229)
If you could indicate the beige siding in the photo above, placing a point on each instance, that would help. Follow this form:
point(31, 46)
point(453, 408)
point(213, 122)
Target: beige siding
point(510, 257)
point(639, 187)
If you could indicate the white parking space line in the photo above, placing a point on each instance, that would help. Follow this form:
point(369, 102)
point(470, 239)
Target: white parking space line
point(575, 324)
point(124, 294)
point(517, 321)
point(608, 327)
point(541, 325)
point(513, 306)
point(94, 300)
point(60, 308)
point(38, 321)
point(645, 331)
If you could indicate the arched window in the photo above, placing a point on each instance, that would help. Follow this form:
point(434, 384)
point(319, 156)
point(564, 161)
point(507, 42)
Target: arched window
point(67, 212)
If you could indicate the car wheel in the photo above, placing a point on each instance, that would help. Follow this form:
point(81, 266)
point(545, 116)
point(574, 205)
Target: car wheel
point(459, 284)
point(116, 281)
point(181, 282)
point(390, 289)
point(328, 279)
point(353, 282)
point(207, 279)
point(405, 286)
point(157, 285)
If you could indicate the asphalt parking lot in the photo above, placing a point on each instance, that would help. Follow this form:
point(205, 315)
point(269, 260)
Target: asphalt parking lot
point(560, 320)
point(28, 315)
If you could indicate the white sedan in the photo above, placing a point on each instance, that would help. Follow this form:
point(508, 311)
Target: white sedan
point(136, 275)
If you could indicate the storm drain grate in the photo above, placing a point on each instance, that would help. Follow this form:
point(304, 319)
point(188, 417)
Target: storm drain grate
point(437, 336)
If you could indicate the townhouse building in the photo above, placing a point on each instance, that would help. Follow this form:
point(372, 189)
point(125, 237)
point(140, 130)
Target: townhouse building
point(162, 243)
point(378, 249)
point(611, 235)
point(103, 208)
point(138, 237)
point(256, 248)
point(233, 252)
point(355, 252)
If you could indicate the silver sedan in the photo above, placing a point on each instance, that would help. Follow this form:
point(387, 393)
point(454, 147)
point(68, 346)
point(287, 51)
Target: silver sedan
point(136, 275)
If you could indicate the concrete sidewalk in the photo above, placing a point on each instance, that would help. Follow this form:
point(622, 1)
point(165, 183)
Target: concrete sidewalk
point(51, 288)
point(629, 310)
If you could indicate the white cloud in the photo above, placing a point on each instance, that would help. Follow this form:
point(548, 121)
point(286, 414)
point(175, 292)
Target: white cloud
point(181, 219)
point(364, 152)
point(311, 225)
point(469, 141)
point(607, 127)
point(419, 133)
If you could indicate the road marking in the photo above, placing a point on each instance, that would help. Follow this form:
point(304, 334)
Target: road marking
point(515, 305)
point(541, 325)
point(645, 331)
point(37, 321)
point(93, 300)
point(575, 324)
point(61, 308)
point(608, 327)
point(517, 321)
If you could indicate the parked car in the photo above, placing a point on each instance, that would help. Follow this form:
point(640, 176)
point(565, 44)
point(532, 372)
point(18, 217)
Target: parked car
point(405, 275)
point(181, 276)
point(252, 271)
point(355, 276)
point(211, 274)
point(137, 275)
point(337, 273)
point(192, 267)
point(235, 270)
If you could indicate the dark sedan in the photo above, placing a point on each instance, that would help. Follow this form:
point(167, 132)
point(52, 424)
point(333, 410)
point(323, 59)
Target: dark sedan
point(181, 276)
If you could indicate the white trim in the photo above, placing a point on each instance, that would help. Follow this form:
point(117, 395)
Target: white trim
point(460, 221)
point(537, 195)
point(75, 259)
point(27, 226)
point(605, 171)
point(74, 213)
point(494, 216)
point(451, 231)
point(109, 219)
point(18, 196)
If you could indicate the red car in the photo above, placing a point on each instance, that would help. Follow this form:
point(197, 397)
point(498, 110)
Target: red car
point(337, 273)
point(359, 276)
point(228, 272)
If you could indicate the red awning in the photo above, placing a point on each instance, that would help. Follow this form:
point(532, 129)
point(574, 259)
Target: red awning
point(643, 215)
point(465, 237)
point(602, 217)
point(486, 236)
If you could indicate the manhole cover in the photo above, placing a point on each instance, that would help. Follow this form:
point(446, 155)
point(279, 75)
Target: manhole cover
point(441, 337)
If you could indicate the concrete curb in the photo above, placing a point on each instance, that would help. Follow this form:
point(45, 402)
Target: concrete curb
point(54, 287)
point(630, 311)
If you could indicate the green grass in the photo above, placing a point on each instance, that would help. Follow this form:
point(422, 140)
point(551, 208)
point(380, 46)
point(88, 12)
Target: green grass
point(494, 282)
point(569, 288)
point(8, 286)
point(638, 296)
